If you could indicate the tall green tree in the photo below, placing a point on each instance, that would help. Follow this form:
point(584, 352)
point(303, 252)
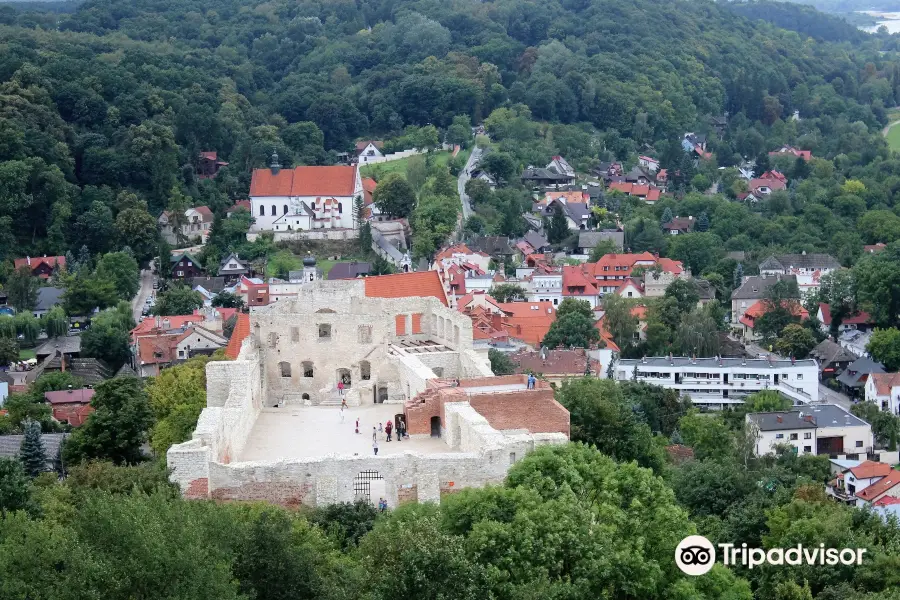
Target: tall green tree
point(394, 196)
point(32, 453)
point(559, 225)
point(619, 321)
point(179, 300)
point(15, 490)
point(884, 346)
point(22, 289)
point(117, 429)
point(121, 269)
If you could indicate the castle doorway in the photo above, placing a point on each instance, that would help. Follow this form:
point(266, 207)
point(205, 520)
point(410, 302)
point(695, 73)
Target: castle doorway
point(369, 486)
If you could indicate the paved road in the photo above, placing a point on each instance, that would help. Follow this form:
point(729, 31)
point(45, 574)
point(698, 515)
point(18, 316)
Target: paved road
point(826, 394)
point(137, 304)
point(463, 178)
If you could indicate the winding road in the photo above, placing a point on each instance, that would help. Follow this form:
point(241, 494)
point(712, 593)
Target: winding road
point(137, 303)
point(463, 178)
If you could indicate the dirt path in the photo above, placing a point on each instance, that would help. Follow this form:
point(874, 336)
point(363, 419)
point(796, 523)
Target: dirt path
point(887, 127)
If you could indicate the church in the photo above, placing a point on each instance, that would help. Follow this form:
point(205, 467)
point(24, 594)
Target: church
point(304, 198)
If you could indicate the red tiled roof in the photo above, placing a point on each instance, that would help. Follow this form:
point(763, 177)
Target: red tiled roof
point(772, 183)
point(558, 362)
point(240, 333)
point(884, 382)
point(457, 249)
point(891, 479)
point(403, 285)
point(575, 282)
point(209, 155)
point(804, 154)
point(573, 196)
point(74, 414)
point(304, 181)
point(148, 324)
point(79, 396)
point(245, 204)
point(869, 469)
point(528, 321)
point(50, 261)
point(369, 186)
point(157, 349)
point(886, 501)
point(629, 261)
point(871, 249)
point(861, 318)
point(758, 309)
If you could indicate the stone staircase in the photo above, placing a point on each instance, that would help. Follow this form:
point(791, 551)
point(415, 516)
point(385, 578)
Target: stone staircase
point(332, 398)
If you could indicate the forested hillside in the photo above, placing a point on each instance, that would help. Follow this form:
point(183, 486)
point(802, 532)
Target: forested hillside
point(122, 95)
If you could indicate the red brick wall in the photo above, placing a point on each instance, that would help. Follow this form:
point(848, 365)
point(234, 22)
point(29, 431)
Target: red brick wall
point(198, 489)
point(534, 410)
point(417, 323)
point(283, 493)
point(501, 380)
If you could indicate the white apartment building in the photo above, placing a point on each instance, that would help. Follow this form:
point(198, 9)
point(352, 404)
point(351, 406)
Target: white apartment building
point(884, 390)
point(815, 429)
point(719, 382)
point(545, 287)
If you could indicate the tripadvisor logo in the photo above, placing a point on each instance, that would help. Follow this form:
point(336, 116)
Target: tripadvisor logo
point(696, 555)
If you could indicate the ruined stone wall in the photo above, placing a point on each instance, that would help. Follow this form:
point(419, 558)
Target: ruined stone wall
point(332, 325)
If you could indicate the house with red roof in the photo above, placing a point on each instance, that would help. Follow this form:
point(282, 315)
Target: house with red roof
point(612, 270)
point(873, 248)
point(759, 308)
point(646, 192)
point(762, 186)
point(70, 406)
point(862, 320)
point(41, 266)
point(209, 164)
point(366, 150)
point(792, 151)
point(155, 352)
point(579, 283)
point(304, 198)
point(869, 483)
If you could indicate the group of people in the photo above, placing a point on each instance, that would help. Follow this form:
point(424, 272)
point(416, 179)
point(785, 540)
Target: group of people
point(388, 429)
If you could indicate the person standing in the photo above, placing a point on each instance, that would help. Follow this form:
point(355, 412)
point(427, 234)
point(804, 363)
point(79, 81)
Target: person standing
point(375, 446)
point(357, 424)
point(379, 427)
point(387, 429)
point(374, 433)
point(342, 414)
point(340, 387)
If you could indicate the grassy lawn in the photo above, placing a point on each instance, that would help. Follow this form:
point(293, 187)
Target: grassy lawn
point(26, 354)
point(893, 137)
point(399, 166)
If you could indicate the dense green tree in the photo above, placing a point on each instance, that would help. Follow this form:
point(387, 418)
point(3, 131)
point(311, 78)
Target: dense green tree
point(796, 341)
point(501, 363)
point(85, 293)
point(884, 346)
point(602, 248)
point(55, 322)
point(877, 279)
point(394, 196)
point(121, 269)
point(179, 300)
point(499, 165)
point(698, 251)
point(22, 289)
point(32, 453)
point(345, 523)
point(479, 192)
point(9, 350)
point(619, 321)
point(226, 299)
point(14, 486)
point(837, 290)
point(709, 436)
point(507, 292)
point(767, 401)
point(117, 428)
point(107, 342)
point(559, 225)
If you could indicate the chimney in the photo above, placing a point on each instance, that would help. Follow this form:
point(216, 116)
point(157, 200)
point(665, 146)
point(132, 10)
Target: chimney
point(808, 418)
point(779, 419)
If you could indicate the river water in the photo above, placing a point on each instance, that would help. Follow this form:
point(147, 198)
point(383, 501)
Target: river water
point(891, 20)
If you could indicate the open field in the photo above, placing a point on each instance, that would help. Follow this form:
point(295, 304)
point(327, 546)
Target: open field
point(399, 166)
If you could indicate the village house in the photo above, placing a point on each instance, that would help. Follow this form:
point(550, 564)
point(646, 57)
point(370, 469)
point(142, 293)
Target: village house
point(874, 248)
point(506, 324)
point(208, 165)
point(303, 198)
point(883, 389)
point(612, 270)
point(556, 365)
point(861, 321)
point(232, 268)
point(651, 164)
point(48, 297)
point(538, 177)
point(762, 186)
point(588, 240)
point(832, 358)
point(184, 266)
point(566, 197)
point(484, 176)
point(578, 283)
point(679, 225)
point(695, 143)
point(646, 192)
point(560, 165)
point(577, 214)
point(194, 226)
point(753, 288)
point(41, 266)
point(817, 429)
point(155, 352)
point(807, 268)
point(70, 406)
point(791, 151)
point(368, 149)
point(853, 379)
point(349, 270)
point(759, 308)
point(865, 484)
